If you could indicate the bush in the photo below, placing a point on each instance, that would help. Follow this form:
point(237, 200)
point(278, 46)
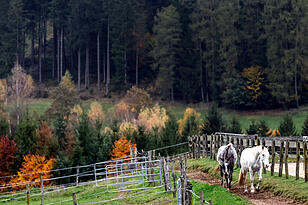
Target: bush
point(137, 99)
point(287, 127)
point(213, 121)
point(95, 114)
point(4, 127)
point(305, 127)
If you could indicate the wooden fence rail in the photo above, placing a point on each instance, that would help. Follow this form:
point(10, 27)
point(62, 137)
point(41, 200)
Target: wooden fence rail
point(284, 147)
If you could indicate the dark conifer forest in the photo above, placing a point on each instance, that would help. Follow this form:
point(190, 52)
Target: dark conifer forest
point(248, 54)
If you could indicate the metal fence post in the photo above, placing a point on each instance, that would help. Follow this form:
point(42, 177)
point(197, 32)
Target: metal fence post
point(42, 189)
point(94, 169)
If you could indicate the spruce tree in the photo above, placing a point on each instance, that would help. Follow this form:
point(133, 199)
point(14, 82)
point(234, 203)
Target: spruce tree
point(262, 128)
point(305, 127)
point(213, 121)
point(167, 32)
point(235, 126)
point(253, 128)
point(287, 127)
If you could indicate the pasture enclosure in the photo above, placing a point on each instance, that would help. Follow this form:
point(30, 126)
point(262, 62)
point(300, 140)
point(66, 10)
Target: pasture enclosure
point(285, 148)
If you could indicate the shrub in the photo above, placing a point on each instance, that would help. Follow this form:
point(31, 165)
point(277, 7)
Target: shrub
point(305, 127)
point(8, 151)
point(287, 127)
point(4, 127)
point(74, 117)
point(151, 118)
point(190, 124)
point(47, 143)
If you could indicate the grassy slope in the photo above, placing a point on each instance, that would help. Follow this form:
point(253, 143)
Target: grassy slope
point(272, 118)
point(296, 189)
point(91, 193)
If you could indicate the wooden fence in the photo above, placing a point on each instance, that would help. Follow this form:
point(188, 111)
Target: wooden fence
point(285, 147)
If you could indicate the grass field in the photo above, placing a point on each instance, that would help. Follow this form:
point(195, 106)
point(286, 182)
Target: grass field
point(291, 188)
point(272, 118)
point(91, 193)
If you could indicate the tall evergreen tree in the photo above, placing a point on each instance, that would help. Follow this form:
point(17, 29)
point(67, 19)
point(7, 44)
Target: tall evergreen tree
point(167, 33)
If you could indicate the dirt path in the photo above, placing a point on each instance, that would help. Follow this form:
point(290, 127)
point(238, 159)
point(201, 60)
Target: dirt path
point(258, 198)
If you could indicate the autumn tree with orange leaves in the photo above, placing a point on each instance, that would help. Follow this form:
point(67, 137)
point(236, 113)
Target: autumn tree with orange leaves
point(33, 164)
point(121, 148)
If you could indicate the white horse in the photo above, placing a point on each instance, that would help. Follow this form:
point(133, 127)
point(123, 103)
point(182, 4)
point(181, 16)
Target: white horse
point(253, 160)
point(226, 158)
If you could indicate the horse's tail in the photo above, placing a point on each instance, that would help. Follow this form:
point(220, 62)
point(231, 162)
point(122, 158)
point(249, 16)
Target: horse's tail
point(241, 178)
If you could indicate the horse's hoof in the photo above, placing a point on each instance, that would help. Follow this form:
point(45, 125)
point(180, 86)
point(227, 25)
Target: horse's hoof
point(252, 191)
point(228, 189)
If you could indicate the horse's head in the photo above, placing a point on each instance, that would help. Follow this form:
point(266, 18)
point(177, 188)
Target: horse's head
point(264, 157)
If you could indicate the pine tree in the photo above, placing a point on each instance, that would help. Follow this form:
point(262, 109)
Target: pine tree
point(305, 127)
point(262, 128)
point(287, 127)
point(253, 128)
point(235, 126)
point(167, 33)
point(213, 121)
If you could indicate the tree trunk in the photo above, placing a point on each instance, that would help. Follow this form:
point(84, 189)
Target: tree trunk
point(125, 69)
point(137, 66)
point(87, 68)
point(58, 56)
point(98, 64)
point(39, 52)
point(295, 86)
point(44, 42)
point(61, 54)
point(201, 72)
point(104, 69)
point(54, 50)
point(23, 48)
point(172, 95)
point(79, 64)
point(32, 50)
point(108, 61)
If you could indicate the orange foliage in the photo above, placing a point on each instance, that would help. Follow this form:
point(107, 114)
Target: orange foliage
point(151, 118)
point(124, 112)
point(45, 138)
point(121, 148)
point(33, 164)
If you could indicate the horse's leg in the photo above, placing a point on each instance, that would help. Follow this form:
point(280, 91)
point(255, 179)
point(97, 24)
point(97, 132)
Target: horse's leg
point(252, 175)
point(260, 179)
point(230, 179)
point(222, 176)
point(245, 186)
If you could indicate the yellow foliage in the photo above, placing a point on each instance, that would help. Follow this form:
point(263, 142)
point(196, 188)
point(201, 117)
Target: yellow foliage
point(124, 112)
point(67, 82)
point(74, 116)
point(155, 117)
point(137, 99)
point(127, 129)
point(34, 164)
point(254, 80)
point(3, 89)
point(106, 131)
point(95, 113)
point(189, 112)
point(121, 148)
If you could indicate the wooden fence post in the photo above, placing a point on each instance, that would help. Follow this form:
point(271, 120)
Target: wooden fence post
point(305, 161)
point(247, 142)
point(206, 147)
point(174, 179)
point(74, 199)
point(42, 189)
point(215, 146)
point(28, 194)
point(238, 152)
point(281, 158)
point(77, 175)
point(163, 161)
point(211, 147)
point(273, 158)
point(286, 159)
point(201, 198)
point(297, 159)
